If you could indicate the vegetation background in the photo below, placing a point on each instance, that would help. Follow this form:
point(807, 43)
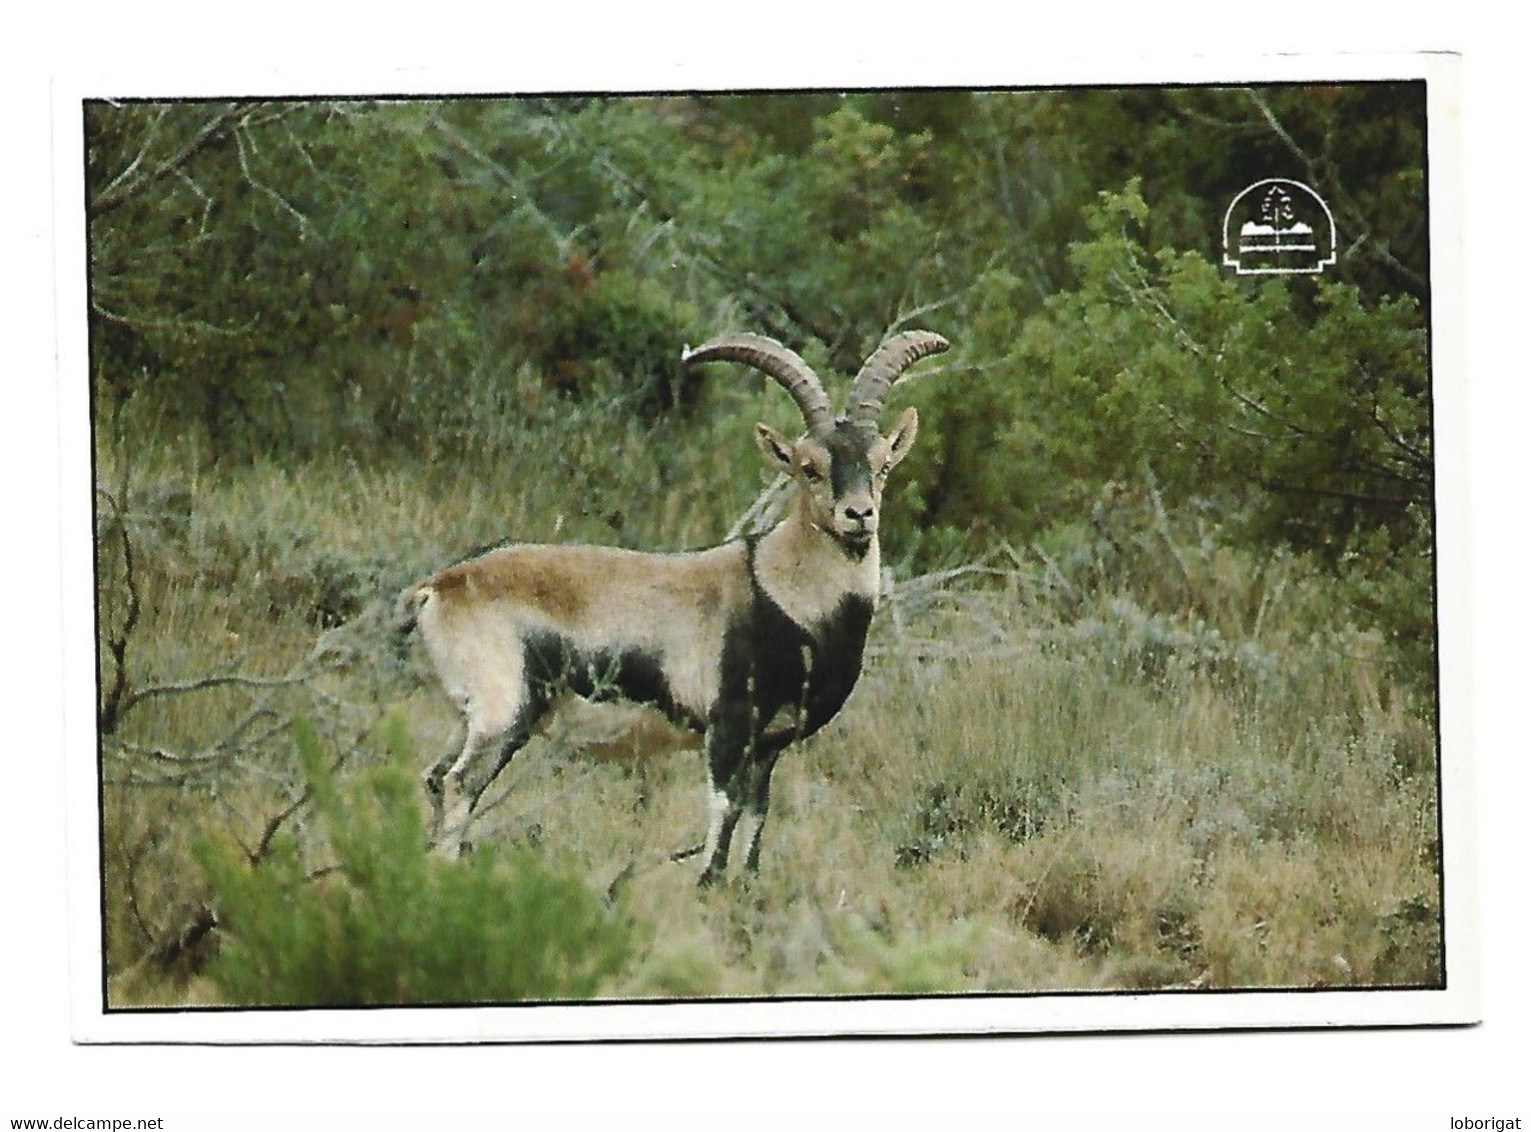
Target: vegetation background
point(1152, 702)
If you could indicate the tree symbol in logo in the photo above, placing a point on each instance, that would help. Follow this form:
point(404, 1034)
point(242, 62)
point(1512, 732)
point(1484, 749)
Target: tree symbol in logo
point(1276, 210)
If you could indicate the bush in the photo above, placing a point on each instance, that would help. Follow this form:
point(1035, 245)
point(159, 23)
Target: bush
point(387, 923)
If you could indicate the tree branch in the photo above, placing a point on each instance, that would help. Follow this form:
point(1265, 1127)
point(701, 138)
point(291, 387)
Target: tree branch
point(112, 706)
point(241, 143)
point(180, 687)
point(124, 188)
point(1336, 193)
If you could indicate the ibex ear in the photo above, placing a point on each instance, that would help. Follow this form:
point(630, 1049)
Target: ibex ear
point(776, 448)
point(901, 439)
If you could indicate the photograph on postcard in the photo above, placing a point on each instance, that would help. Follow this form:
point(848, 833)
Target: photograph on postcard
point(713, 547)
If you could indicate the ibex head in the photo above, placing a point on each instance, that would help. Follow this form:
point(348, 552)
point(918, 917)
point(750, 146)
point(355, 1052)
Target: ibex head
point(841, 463)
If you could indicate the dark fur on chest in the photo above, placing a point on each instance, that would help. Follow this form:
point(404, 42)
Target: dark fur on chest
point(772, 665)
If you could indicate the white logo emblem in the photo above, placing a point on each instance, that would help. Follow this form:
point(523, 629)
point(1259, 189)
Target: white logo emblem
point(1278, 227)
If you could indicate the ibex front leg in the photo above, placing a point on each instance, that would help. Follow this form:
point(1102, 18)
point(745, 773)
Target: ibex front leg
point(757, 801)
point(727, 741)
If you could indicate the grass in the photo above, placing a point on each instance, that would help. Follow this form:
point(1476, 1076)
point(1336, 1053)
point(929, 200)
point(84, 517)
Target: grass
point(1061, 772)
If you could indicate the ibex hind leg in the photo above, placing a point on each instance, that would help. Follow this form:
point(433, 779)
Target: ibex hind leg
point(492, 740)
point(460, 794)
point(434, 781)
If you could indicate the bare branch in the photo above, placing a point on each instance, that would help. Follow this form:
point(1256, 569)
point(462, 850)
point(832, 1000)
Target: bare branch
point(199, 684)
point(1294, 432)
point(1413, 455)
point(132, 166)
point(243, 143)
point(183, 324)
point(207, 201)
point(1354, 217)
point(124, 188)
point(1259, 103)
point(1231, 125)
point(274, 824)
point(519, 191)
point(1144, 290)
point(134, 858)
point(908, 316)
point(112, 705)
point(759, 514)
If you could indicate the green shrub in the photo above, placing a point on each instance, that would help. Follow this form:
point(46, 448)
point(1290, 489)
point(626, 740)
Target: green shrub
point(868, 963)
point(385, 922)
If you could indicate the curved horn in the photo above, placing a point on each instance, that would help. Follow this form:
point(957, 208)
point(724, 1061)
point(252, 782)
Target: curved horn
point(770, 357)
point(884, 367)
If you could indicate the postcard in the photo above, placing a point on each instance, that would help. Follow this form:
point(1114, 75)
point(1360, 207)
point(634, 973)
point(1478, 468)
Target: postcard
point(687, 563)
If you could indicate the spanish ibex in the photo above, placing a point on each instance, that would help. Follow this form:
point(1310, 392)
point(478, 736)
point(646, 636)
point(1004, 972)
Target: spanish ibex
point(755, 643)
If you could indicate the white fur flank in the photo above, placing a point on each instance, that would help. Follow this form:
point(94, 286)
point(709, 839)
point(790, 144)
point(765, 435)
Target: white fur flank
point(478, 660)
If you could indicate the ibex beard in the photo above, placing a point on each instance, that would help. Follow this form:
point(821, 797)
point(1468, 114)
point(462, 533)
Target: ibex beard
point(755, 644)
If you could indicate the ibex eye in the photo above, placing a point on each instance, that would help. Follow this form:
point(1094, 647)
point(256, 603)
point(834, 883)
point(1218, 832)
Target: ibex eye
point(812, 474)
